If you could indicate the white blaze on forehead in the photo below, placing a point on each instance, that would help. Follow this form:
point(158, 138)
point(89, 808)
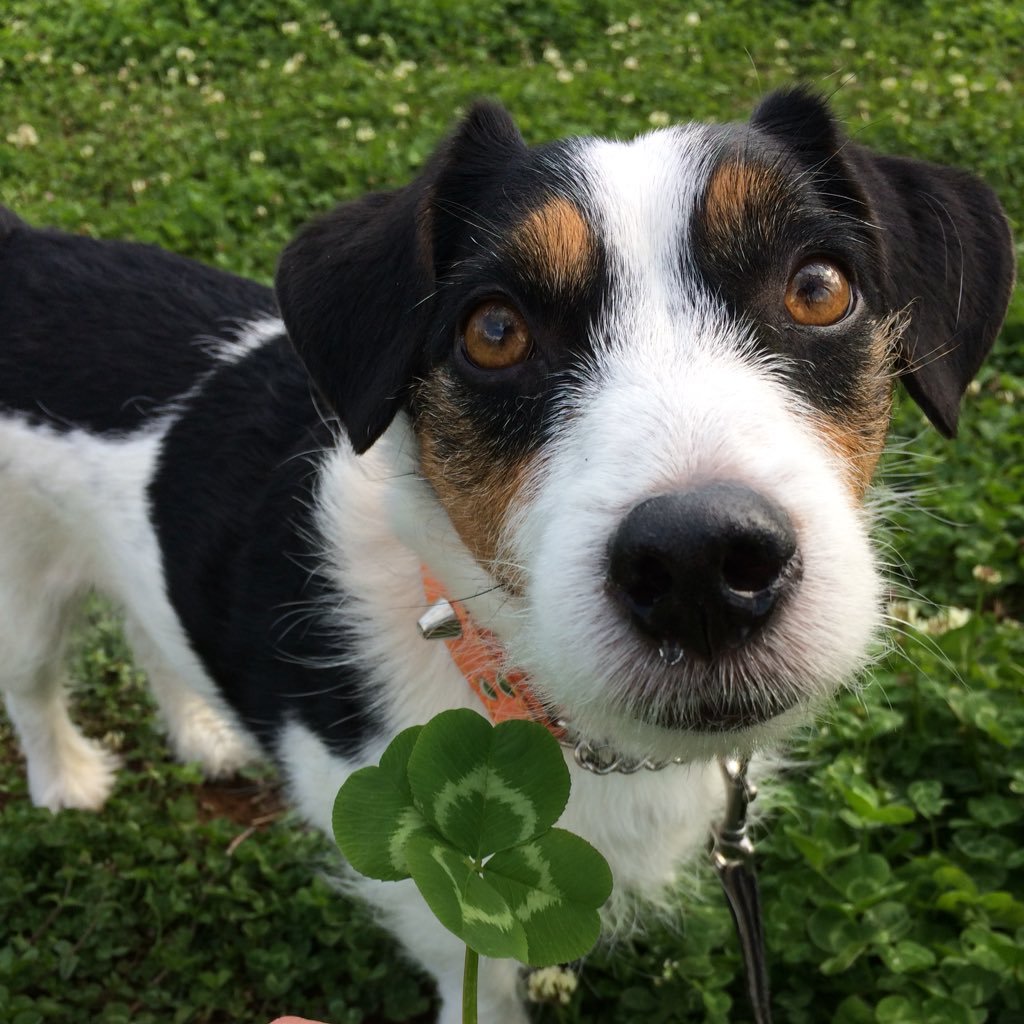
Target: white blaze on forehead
point(643, 195)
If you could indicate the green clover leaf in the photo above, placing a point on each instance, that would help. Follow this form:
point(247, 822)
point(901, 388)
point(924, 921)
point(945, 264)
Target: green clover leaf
point(486, 788)
point(374, 814)
point(466, 809)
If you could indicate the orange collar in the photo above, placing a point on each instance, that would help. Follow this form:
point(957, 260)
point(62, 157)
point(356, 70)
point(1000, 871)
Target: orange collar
point(504, 693)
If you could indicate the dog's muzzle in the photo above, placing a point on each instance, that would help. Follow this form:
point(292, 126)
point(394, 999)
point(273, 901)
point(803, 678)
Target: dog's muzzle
point(700, 571)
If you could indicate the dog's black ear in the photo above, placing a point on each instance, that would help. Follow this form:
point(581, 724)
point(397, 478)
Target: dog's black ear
point(947, 254)
point(355, 287)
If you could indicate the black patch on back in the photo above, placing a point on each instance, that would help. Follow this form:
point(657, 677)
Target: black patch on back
point(99, 335)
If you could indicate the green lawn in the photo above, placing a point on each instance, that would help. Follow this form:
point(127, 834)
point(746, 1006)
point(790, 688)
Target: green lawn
point(893, 868)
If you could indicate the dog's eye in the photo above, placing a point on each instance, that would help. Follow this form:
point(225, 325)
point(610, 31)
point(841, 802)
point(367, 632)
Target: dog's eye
point(496, 336)
point(818, 294)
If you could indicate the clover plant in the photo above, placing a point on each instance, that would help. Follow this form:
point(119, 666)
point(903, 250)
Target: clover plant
point(466, 810)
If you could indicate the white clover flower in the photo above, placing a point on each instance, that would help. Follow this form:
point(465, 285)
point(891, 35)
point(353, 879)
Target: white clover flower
point(46, 57)
point(579, 65)
point(263, 63)
point(106, 106)
point(78, 69)
point(631, 63)
point(900, 117)
point(257, 156)
point(938, 35)
point(363, 39)
point(260, 211)
point(564, 75)
point(890, 83)
point(692, 19)
point(343, 123)
point(551, 984)
point(552, 55)
point(616, 29)
point(659, 118)
point(1004, 85)
point(848, 43)
point(86, 151)
point(962, 94)
point(919, 85)
point(957, 79)
point(986, 574)
point(214, 96)
point(945, 621)
point(627, 98)
point(164, 178)
point(192, 78)
point(139, 185)
point(781, 44)
point(400, 109)
point(293, 63)
point(634, 21)
point(23, 137)
point(364, 133)
point(185, 54)
point(290, 28)
point(954, 51)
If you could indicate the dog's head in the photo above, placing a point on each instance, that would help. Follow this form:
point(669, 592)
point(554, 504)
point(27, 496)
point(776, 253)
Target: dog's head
point(650, 382)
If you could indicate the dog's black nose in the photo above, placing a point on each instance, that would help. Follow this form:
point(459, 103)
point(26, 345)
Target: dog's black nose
point(700, 571)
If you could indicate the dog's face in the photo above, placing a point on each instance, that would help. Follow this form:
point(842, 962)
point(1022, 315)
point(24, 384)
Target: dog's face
point(650, 382)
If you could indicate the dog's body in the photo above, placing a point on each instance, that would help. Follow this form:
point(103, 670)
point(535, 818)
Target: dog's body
point(624, 400)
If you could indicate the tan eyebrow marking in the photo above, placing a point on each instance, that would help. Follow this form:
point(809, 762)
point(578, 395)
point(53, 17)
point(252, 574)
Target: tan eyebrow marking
point(557, 245)
point(737, 191)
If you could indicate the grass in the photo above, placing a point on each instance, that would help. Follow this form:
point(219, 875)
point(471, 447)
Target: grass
point(892, 866)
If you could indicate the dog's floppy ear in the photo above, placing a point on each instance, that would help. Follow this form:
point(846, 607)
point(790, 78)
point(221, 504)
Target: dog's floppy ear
point(355, 287)
point(947, 255)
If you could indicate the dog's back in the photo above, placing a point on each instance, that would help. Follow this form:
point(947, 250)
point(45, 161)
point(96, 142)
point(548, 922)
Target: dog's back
point(87, 327)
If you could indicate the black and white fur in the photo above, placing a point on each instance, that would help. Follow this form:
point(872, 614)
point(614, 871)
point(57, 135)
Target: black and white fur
point(263, 517)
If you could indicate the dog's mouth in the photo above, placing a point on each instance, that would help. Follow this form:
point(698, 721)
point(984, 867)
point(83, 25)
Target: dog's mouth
point(716, 717)
point(736, 693)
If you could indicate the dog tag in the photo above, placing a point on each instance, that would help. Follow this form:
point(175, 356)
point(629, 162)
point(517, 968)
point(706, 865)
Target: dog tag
point(439, 622)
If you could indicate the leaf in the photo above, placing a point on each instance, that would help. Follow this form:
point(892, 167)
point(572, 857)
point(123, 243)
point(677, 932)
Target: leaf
point(897, 1010)
point(905, 957)
point(464, 902)
point(555, 886)
point(926, 796)
point(374, 815)
point(486, 788)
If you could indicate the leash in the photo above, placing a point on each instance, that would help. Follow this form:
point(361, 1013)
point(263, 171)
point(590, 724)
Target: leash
point(732, 856)
point(506, 694)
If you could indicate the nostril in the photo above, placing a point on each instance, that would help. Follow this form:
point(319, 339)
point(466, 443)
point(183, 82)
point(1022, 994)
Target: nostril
point(750, 568)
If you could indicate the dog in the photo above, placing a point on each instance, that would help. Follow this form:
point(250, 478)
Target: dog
point(620, 401)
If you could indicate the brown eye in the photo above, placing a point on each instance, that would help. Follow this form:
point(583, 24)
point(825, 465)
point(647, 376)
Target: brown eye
point(496, 336)
point(818, 294)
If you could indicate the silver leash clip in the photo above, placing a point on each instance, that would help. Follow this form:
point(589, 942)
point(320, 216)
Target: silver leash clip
point(732, 854)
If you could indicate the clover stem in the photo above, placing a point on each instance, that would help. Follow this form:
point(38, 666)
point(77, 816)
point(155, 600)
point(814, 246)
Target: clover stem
point(469, 977)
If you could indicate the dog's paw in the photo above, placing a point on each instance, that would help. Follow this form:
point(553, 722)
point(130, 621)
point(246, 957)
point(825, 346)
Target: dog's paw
point(199, 733)
point(80, 776)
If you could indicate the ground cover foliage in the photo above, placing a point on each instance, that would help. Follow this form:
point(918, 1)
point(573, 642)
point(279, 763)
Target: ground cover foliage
point(892, 869)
